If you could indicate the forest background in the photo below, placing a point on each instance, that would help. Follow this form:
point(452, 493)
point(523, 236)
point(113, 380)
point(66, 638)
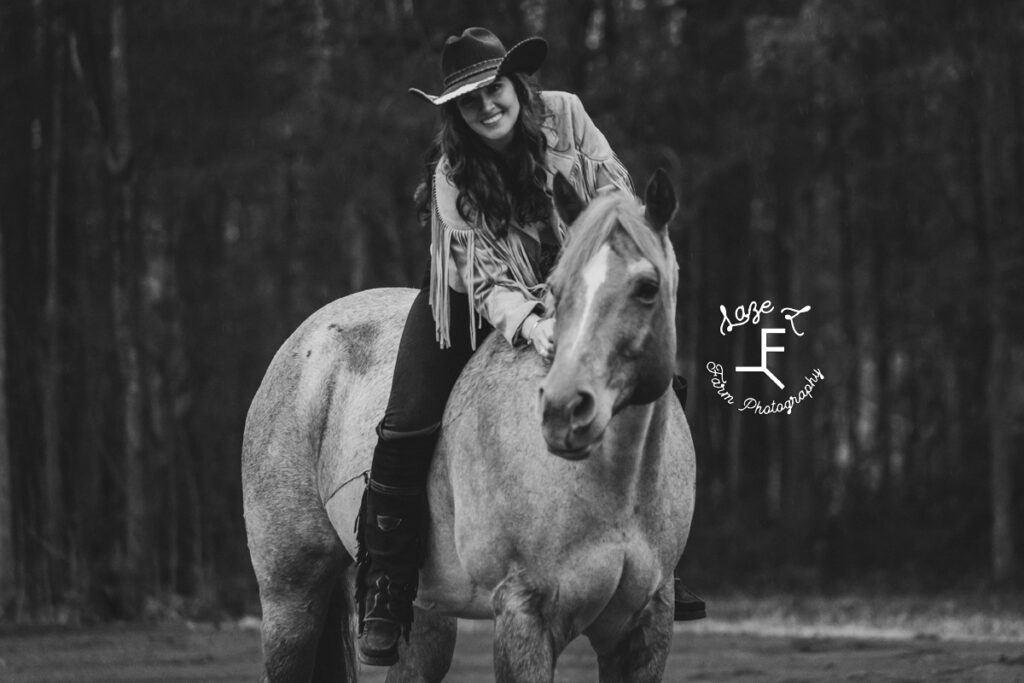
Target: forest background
point(183, 182)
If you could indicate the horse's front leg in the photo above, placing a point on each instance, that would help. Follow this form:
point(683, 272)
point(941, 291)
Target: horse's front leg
point(428, 654)
point(525, 645)
point(639, 656)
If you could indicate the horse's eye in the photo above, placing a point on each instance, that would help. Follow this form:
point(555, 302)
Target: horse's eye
point(646, 290)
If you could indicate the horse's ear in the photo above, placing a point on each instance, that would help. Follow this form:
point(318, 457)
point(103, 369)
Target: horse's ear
point(660, 199)
point(567, 202)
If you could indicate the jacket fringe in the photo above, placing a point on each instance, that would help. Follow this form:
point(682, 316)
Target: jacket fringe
point(441, 236)
point(510, 251)
point(585, 179)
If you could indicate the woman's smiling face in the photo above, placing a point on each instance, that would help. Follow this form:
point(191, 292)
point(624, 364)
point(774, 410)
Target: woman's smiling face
point(491, 112)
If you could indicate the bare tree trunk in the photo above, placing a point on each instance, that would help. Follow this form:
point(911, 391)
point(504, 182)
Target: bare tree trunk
point(1001, 439)
point(612, 34)
point(517, 19)
point(793, 436)
point(180, 406)
point(31, 561)
point(874, 393)
point(321, 73)
point(1002, 218)
point(569, 22)
point(879, 284)
point(197, 568)
point(359, 256)
point(54, 520)
point(126, 308)
point(850, 367)
point(735, 419)
point(7, 574)
point(159, 308)
point(289, 237)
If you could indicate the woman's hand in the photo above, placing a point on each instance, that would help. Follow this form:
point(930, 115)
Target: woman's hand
point(541, 333)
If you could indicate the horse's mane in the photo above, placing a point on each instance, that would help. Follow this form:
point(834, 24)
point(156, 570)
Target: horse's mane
point(608, 212)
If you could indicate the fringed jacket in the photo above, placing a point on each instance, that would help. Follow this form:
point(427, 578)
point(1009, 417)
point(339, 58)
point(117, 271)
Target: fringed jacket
point(497, 272)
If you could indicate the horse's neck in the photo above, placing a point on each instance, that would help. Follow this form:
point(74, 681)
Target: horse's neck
point(631, 452)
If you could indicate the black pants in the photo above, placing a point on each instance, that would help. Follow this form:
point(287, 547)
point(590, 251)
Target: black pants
point(424, 376)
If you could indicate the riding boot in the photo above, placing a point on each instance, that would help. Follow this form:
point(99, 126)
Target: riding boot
point(688, 606)
point(392, 539)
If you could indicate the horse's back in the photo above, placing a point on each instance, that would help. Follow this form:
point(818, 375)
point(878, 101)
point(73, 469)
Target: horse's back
point(310, 424)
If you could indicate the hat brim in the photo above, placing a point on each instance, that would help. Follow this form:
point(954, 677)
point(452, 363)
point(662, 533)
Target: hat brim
point(525, 56)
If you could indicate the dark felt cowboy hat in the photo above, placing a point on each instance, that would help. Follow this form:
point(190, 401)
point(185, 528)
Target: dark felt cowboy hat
point(477, 58)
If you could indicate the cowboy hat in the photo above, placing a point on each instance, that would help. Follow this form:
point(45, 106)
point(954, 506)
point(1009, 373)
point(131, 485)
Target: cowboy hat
point(477, 58)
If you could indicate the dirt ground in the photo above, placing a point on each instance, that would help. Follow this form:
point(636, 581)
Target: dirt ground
point(206, 653)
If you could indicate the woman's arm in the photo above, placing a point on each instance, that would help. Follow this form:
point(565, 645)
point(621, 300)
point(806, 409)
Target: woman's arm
point(491, 284)
point(495, 272)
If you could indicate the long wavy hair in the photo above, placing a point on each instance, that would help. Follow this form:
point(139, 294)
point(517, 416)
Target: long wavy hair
point(500, 188)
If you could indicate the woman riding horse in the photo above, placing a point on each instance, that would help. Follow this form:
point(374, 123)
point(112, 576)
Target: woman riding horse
point(494, 239)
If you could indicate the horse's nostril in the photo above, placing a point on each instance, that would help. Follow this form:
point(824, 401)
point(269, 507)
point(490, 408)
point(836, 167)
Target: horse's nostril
point(582, 409)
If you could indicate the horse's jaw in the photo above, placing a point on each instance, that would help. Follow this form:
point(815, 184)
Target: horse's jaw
point(569, 452)
point(570, 443)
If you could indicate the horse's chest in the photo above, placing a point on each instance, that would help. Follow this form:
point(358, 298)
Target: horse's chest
point(640, 573)
point(623, 573)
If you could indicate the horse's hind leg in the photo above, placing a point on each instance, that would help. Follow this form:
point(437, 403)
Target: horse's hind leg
point(294, 611)
point(428, 654)
point(640, 655)
point(335, 657)
point(299, 562)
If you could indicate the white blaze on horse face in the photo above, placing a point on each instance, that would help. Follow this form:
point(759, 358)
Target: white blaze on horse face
point(594, 275)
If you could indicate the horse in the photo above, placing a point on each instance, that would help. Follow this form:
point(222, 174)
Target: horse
point(561, 491)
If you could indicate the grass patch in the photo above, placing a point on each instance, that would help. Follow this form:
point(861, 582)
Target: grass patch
point(945, 617)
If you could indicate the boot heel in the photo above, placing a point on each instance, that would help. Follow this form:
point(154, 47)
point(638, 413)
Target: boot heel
point(688, 606)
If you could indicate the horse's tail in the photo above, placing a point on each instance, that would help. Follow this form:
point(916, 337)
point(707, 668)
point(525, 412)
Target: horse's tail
point(335, 651)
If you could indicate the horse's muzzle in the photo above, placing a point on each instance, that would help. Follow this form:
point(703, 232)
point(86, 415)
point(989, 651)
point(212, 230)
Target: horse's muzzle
point(570, 421)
